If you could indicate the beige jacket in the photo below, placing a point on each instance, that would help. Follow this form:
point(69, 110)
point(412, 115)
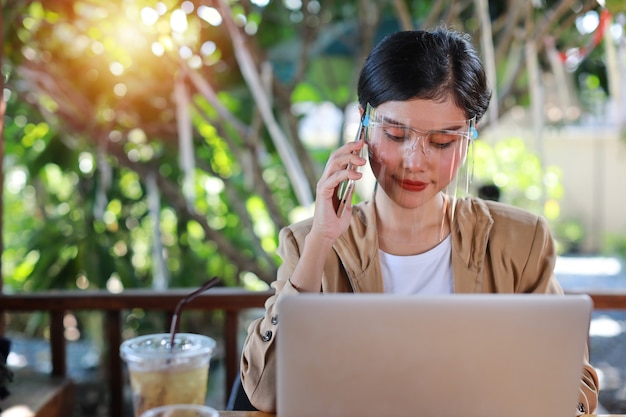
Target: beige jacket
point(496, 248)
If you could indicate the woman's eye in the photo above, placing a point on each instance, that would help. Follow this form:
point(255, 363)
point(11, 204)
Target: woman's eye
point(441, 145)
point(396, 134)
point(442, 140)
point(394, 137)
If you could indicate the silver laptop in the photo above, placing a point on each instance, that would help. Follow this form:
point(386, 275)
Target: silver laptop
point(435, 356)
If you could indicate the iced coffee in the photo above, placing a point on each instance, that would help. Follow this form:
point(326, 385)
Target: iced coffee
point(161, 373)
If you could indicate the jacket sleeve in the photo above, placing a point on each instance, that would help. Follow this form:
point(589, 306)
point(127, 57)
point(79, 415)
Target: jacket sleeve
point(589, 386)
point(258, 365)
point(543, 251)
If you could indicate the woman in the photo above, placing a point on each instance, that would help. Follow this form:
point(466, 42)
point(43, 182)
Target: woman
point(420, 95)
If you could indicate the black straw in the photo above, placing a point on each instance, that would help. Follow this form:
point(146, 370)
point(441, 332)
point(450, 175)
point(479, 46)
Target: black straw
point(175, 318)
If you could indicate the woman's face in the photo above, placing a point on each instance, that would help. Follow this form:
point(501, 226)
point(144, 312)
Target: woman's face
point(416, 148)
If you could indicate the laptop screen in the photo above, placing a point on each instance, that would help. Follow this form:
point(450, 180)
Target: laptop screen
point(457, 355)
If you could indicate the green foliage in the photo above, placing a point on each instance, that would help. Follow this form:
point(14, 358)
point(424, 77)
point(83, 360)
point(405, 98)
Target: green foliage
point(615, 6)
point(570, 234)
point(340, 87)
point(305, 92)
point(525, 183)
point(517, 172)
point(80, 160)
point(91, 131)
point(614, 245)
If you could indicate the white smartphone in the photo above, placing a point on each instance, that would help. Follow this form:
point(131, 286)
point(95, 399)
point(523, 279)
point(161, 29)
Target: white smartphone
point(347, 186)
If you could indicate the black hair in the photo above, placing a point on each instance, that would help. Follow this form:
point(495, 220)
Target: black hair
point(425, 65)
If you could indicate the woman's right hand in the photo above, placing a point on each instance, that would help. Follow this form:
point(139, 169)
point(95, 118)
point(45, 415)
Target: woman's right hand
point(326, 223)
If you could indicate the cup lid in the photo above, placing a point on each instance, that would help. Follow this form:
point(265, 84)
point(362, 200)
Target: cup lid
point(157, 346)
point(180, 410)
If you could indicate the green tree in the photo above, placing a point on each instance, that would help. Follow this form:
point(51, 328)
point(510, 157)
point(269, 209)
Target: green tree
point(156, 144)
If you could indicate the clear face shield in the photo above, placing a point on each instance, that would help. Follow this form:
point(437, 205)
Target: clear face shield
point(420, 162)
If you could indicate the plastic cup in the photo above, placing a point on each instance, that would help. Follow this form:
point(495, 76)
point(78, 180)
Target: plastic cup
point(181, 410)
point(163, 375)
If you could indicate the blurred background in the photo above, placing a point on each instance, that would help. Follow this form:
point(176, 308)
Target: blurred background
point(155, 144)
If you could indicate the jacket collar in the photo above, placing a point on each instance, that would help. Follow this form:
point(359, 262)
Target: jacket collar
point(358, 247)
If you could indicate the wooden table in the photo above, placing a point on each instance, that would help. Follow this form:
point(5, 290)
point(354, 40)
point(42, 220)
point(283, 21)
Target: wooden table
point(261, 414)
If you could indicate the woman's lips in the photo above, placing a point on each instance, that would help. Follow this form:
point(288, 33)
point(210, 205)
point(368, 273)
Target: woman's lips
point(413, 185)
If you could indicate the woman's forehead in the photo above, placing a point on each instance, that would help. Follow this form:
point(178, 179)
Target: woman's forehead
point(426, 113)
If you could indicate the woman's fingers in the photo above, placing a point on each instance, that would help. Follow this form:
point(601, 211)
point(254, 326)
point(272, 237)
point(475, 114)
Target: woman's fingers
point(341, 166)
point(344, 158)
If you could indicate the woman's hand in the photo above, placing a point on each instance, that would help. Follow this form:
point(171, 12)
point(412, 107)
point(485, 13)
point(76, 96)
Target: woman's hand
point(327, 226)
point(326, 223)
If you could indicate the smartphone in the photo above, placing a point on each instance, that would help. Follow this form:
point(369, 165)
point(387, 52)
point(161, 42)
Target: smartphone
point(347, 186)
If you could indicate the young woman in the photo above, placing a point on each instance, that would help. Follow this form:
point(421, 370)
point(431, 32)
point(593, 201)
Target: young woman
point(420, 95)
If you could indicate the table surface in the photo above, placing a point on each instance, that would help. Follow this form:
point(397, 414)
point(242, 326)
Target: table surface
point(261, 414)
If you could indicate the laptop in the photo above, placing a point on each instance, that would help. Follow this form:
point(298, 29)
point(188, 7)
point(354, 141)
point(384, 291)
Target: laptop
point(462, 355)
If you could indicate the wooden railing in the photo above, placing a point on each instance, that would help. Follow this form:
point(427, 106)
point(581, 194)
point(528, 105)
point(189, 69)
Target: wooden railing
point(606, 300)
point(231, 300)
point(56, 303)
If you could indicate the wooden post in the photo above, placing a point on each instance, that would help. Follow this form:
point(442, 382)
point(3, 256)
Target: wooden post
point(113, 331)
point(232, 350)
point(57, 344)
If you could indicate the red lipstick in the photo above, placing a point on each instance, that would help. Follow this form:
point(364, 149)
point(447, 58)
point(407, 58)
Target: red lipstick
point(413, 185)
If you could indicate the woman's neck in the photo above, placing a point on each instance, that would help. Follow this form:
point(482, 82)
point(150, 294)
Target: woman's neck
point(410, 231)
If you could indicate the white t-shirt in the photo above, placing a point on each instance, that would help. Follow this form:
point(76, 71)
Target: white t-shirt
point(426, 273)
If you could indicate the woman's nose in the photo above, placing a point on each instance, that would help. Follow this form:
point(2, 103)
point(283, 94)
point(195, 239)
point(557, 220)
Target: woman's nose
point(415, 154)
point(416, 143)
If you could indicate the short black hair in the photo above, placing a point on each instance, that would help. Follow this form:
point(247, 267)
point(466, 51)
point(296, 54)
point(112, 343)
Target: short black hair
point(426, 65)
